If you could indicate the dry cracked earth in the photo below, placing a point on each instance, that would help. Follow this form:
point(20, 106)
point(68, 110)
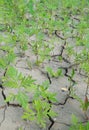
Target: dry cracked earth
point(10, 113)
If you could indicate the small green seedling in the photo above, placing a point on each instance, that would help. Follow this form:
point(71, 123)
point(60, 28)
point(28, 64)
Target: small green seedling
point(83, 104)
point(53, 73)
point(76, 125)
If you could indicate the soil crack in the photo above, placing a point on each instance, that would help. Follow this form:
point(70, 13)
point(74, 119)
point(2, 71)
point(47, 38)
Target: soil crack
point(4, 113)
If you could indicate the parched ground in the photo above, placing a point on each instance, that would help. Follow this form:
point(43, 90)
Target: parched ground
point(10, 116)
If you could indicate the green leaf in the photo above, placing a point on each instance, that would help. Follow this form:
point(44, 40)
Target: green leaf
point(74, 119)
point(31, 7)
point(10, 97)
point(52, 113)
point(29, 114)
point(72, 73)
point(22, 98)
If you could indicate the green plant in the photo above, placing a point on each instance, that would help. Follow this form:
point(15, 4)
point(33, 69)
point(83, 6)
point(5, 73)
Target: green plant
point(53, 73)
point(20, 128)
point(22, 19)
point(76, 125)
point(41, 49)
point(40, 112)
point(16, 28)
point(84, 104)
point(40, 108)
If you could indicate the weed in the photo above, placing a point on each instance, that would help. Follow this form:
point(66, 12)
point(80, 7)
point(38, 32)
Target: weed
point(25, 18)
point(76, 125)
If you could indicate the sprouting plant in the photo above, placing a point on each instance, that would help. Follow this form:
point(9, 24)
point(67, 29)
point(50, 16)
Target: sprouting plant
point(41, 49)
point(70, 51)
point(52, 73)
point(84, 104)
point(20, 128)
point(76, 125)
point(40, 112)
point(40, 108)
point(22, 19)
